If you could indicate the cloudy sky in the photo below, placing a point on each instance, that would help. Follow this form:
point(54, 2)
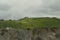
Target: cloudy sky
point(16, 9)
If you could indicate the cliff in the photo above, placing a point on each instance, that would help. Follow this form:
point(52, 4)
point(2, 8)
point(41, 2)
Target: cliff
point(25, 34)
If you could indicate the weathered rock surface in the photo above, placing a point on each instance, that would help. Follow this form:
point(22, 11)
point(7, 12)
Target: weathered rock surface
point(46, 34)
point(13, 34)
point(35, 34)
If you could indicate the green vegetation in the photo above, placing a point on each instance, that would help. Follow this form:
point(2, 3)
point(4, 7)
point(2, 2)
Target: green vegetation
point(44, 22)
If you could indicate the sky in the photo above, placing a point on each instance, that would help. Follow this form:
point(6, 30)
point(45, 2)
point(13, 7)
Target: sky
point(16, 9)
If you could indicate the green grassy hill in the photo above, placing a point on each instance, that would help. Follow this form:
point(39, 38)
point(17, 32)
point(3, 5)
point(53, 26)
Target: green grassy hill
point(31, 23)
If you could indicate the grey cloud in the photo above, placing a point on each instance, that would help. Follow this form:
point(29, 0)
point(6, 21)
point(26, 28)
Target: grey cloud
point(6, 16)
point(32, 8)
point(4, 11)
point(49, 8)
point(4, 7)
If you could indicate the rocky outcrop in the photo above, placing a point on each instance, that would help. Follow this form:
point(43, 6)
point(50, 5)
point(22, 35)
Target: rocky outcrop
point(14, 34)
point(46, 34)
point(26, 34)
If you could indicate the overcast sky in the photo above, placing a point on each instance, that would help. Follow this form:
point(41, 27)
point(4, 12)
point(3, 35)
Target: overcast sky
point(16, 9)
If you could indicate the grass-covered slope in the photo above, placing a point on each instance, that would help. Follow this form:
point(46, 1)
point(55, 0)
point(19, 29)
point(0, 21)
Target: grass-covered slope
point(7, 23)
point(40, 22)
point(31, 23)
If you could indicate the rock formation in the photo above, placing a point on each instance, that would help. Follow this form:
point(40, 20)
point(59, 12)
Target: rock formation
point(35, 34)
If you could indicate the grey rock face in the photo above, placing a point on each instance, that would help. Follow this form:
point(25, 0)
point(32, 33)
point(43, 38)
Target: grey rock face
point(35, 34)
point(13, 34)
point(46, 34)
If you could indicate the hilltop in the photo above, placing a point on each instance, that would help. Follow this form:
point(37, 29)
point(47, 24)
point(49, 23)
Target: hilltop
point(43, 22)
